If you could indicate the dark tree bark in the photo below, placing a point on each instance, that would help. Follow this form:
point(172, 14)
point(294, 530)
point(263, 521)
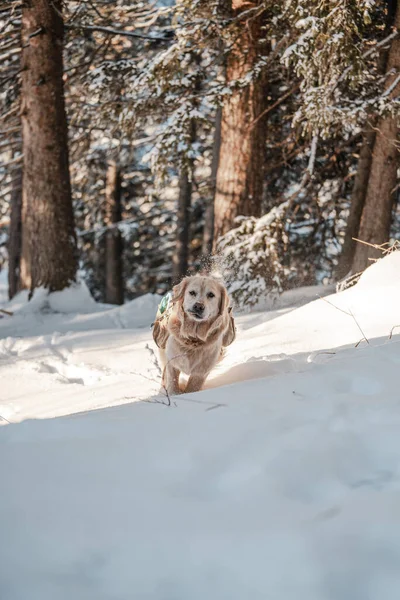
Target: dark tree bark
point(357, 204)
point(14, 236)
point(181, 257)
point(242, 155)
point(364, 168)
point(377, 214)
point(49, 256)
point(114, 246)
point(208, 236)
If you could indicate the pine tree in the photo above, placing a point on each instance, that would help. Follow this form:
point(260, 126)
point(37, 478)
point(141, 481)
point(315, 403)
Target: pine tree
point(208, 235)
point(14, 236)
point(377, 213)
point(357, 203)
point(360, 187)
point(49, 256)
point(239, 184)
point(113, 259)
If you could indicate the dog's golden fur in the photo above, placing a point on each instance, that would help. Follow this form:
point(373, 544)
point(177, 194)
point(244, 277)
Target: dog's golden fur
point(193, 342)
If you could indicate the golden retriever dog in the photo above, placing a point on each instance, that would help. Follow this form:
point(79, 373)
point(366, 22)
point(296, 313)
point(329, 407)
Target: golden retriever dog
point(193, 331)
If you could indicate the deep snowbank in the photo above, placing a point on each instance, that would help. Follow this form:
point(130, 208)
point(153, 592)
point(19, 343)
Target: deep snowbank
point(52, 364)
point(284, 485)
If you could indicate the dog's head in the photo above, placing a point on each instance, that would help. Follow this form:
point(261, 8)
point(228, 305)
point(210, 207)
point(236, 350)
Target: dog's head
point(202, 298)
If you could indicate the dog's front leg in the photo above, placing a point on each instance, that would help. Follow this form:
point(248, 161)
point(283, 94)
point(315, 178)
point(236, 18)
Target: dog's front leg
point(171, 380)
point(195, 383)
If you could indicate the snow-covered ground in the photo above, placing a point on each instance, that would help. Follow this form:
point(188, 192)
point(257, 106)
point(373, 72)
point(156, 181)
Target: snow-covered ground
point(3, 286)
point(281, 480)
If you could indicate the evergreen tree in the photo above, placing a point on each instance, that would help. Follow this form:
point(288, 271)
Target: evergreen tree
point(376, 217)
point(240, 176)
point(49, 256)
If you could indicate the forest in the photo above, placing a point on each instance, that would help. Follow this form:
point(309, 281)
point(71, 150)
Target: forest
point(144, 140)
point(237, 436)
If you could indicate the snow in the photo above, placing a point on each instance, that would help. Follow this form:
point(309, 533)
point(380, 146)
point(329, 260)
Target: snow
point(281, 480)
point(3, 285)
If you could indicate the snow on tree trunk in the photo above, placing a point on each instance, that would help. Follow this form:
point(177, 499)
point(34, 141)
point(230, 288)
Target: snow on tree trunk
point(114, 246)
point(241, 159)
point(14, 236)
point(49, 256)
point(377, 214)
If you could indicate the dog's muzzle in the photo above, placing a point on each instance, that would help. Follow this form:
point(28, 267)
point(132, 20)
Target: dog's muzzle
point(197, 311)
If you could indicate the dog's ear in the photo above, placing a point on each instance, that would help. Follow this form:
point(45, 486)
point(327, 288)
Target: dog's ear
point(178, 291)
point(224, 300)
point(160, 333)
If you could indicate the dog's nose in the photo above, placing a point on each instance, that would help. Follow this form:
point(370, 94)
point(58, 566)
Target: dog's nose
point(198, 307)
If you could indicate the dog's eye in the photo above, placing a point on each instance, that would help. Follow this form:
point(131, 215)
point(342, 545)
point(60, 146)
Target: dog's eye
point(210, 295)
point(192, 293)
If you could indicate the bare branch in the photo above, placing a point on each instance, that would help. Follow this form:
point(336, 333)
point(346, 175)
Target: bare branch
point(309, 170)
point(10, 130)
point(10, 113)
point(391, 87)
point(9, 53)
point(275, 104)
point(334, 305)
point(394, 35)
point(350, 314)
point(359, 327)
point(109, 31)
point(17, 159)
point(313, 154)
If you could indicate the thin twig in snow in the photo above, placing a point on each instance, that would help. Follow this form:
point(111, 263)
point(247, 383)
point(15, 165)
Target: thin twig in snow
point(350, 314)
point(385, 248)
point(334, 305)
point(366, 243)
point(359, 327)
point(391, 331)
point(157, 366)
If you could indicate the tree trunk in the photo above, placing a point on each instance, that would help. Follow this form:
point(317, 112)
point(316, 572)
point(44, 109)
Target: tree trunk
point(49, 256)
point(181, 257)
point(241, 161)
point(114, 280)
point(363, 169)
point(14, 236)
point(357, 203)
point(377, 214)
point(208, 235)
